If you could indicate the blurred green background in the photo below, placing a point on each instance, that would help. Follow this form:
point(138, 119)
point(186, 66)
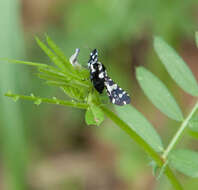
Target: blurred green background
point(50, 147)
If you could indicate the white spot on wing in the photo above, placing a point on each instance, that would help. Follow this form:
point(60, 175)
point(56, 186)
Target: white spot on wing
point(92, 69)
point(101, 75)
point(100, 67)
point(111, 88)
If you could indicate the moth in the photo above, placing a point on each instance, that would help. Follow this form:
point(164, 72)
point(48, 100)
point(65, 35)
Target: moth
point(101, 80)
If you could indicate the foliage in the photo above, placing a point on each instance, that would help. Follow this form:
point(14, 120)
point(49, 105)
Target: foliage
point(141, 126)
point(179, 71)
point(73, 81)
point(160, 96)
point(185, 161)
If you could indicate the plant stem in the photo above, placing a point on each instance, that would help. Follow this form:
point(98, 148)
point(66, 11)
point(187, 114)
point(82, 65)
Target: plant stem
point(179, 132)
point(48, 100)
point(160, 162)
point(42, 65)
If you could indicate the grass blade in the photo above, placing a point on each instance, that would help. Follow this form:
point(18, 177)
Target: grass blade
point(14, 154)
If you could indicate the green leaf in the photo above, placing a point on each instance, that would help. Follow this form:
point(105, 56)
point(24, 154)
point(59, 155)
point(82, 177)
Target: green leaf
point(196, 38)
point(193, 123)
point(140, 125)
point(185, 161)
point(75, 93)
point(53, 72)
point(155, 168)
point(51, 78)
point(158, 94)
point(176, 67)
point(50, 54)
point(27, 63)
point(59, 53)
point(65, 84)
point(193, 134)
point(94, 115)
point(83, 73)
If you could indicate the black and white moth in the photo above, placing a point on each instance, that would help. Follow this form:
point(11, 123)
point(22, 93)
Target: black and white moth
point(101, 80)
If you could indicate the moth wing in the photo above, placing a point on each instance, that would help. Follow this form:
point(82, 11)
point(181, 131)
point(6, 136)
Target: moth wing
point(116, 94)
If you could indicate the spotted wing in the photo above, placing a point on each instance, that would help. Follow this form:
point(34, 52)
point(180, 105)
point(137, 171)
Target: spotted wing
point(116, 94)
point(97, 71)
point(93, 58)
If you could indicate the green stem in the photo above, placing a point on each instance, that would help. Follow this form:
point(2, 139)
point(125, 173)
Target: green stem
point(26, 63)
point(179, 132)
point(144, 145)
point(48, 100)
